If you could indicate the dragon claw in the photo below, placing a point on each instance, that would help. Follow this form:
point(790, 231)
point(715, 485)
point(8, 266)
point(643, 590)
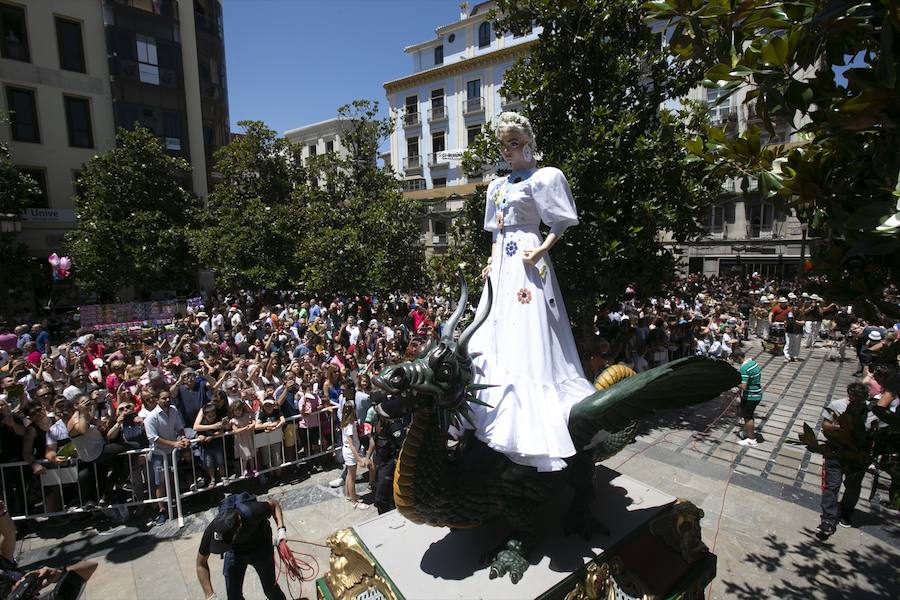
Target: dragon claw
point(510, 561)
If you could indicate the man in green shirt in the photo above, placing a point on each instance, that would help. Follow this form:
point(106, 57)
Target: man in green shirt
point(751, 394)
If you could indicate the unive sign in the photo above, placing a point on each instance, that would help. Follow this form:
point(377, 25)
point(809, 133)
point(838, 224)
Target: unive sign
point(55, 215)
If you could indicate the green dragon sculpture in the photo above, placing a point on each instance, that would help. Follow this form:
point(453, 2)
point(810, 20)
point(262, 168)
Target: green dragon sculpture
point(467, 484)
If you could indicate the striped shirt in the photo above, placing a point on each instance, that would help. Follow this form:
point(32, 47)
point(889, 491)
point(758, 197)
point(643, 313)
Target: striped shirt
point(751, 375)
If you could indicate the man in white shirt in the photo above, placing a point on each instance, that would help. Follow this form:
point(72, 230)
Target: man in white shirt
point(236, 319)
point(205, 325)
point(165, 431)
point(352, 330)
point(218, 323)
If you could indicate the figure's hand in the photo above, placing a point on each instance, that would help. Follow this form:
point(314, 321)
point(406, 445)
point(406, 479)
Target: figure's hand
point(531, 257)
point(486, 272)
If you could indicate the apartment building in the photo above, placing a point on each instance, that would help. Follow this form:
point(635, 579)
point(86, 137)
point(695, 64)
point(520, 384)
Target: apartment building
point(454, 89)
point(318, 138)
point(746, 233)
point(72, 71)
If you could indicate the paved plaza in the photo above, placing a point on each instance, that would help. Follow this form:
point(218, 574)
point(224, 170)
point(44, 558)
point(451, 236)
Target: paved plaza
point(761, 506)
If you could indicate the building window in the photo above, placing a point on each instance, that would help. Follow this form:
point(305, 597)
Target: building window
point(148, 62)
point(70, 45)
point(23, 117)
point(439, 55)
point(413, 160)
point(760, 218)
point(484, 34)
point(472, 133)
point(311, 150)
point(437, 142)
point(78, 121)
point(172, 130)
point(717, 113)
point(715, 220)
point(14, 39)
point(439, 182)
point(411, 111)
point(412, 185)
point(473, 96)
point(329, 146)
point(40, 199)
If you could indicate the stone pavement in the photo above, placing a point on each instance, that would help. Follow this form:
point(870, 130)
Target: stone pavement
point(761, 507)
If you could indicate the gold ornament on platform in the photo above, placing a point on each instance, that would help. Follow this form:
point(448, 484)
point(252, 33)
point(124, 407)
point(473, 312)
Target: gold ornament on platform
point(680, 530)
point(351, 572)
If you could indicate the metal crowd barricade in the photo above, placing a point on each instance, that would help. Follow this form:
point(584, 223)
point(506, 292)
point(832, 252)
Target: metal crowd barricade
point(308, 443)
point(60, 485)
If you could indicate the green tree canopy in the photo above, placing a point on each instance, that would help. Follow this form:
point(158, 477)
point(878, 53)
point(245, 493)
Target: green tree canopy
point(359, 232)
point(593, 87)
point(250, 223)
point(134, 218)
point(830, 67)
point(335, 224)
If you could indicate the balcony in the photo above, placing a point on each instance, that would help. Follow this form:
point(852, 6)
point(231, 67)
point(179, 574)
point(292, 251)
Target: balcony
point(165, 8)
point(439, 239)
point(208, 89)
point(473, 106)
point(412, 164)
point(512, 103)
point(723, 117)
point(437, 113)
point(207, 25)
point(435, 160)
point(411, 119)
point(412, 185)
point(130, 70)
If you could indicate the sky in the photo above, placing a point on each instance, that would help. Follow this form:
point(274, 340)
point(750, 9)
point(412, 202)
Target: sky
point(294, 62)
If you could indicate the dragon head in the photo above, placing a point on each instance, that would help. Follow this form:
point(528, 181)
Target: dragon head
point(440, 377)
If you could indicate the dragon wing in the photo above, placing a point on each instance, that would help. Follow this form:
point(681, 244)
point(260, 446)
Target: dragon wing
point(686, 381)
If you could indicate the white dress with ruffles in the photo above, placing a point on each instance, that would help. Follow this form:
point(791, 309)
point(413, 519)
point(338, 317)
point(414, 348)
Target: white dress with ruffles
point(526, 345)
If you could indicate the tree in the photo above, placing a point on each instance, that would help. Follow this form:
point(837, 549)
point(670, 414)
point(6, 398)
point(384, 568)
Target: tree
point(134, 219)
point(251, 221)
point(833, 63)
point(593, 87)
point(359, 232)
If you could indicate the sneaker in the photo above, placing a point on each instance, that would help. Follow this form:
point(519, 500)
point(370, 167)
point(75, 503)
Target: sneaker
point(159, 519)
point(825, 530)
point(336, 483)
point(748, 442)
point(845, 522)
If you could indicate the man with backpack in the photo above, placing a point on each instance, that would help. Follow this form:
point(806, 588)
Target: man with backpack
point(241, 533)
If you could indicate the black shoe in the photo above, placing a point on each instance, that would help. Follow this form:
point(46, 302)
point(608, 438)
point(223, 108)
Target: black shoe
point(159, 519)
point(825, 530)
point(845, 522)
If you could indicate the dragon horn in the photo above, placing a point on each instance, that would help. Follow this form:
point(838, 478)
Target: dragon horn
point(461, 307)
point(463, 344)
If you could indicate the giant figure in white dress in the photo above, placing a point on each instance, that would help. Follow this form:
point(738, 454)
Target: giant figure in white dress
point(526, 347)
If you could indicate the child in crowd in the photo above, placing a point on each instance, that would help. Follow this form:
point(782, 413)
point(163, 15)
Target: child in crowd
point(212, 447)
point(243, 425)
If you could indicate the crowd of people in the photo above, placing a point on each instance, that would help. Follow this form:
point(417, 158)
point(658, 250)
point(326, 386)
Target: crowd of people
point(216, 376)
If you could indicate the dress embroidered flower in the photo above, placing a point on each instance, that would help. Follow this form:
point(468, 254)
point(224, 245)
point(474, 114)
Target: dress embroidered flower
point(511, 248)
point(524, 295)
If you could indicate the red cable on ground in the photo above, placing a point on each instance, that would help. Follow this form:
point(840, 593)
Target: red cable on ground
point(296, 566)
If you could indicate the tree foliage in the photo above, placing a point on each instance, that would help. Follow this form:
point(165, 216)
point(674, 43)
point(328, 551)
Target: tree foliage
point(360, 233)
point(134, 219)
point(336, 223)
point(469, 246)
point(250, 222)
point(830, 67)
point(17, 190)
point(593, 87)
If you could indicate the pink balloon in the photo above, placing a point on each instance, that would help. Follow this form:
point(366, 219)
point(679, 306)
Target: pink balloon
point(53, 259)
point(65, 263)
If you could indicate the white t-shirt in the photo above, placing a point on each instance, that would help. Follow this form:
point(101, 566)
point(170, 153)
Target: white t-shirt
point(236, 319)
point(346, 432)
point(218, 322)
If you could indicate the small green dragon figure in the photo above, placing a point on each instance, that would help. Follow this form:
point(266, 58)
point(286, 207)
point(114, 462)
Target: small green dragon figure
point(467, 483)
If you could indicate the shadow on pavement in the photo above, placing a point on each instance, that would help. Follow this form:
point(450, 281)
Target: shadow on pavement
point(810, 568)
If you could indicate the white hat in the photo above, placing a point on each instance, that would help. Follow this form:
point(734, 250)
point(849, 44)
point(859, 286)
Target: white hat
point(763, 300)
point(782, 299)
point(792, 295)
point(98, 362)
point(202, 315)
point(816, 297)
point(875, 336)
point(804, 295)
point(268, 400)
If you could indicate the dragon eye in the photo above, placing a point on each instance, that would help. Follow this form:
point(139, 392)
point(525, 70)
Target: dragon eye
point(444, 372)
point(437, 356)
point(398, 377)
